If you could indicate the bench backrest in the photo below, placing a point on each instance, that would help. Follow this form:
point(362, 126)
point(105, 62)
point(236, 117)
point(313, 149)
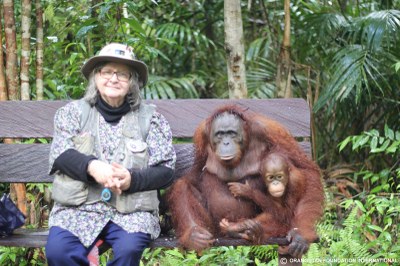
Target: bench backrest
point(34, 119)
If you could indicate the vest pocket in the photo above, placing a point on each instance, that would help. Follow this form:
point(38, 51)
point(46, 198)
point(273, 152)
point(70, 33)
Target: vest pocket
point(140, 201)
point(137, 153)
point(68, 191)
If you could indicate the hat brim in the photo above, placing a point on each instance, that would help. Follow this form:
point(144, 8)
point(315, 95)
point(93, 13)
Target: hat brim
point(138, 66)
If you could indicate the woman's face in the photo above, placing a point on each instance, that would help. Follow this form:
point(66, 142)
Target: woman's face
point(112, 81)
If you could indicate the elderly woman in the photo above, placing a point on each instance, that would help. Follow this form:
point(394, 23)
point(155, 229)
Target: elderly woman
point(109, 156)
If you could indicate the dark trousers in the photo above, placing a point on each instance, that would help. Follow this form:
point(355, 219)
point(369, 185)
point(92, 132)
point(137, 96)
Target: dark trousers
point(64, 248)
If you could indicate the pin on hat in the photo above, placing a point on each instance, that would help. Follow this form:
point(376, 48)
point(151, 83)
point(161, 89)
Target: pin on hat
point(118, 53)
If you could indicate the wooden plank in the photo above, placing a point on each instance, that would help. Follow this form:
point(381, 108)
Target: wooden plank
point(37, 238)
point(27, 119)
point(29, 162)
point(185, 115)
point(34, 119)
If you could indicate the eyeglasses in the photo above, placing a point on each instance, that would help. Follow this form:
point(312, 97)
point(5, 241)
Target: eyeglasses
point(121, 76)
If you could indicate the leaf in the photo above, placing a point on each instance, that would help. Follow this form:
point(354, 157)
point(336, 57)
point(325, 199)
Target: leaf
point(389, 133)
point(397, 66)
point(380, 26)
point(394, 147)
point(361, 141)
point(206, 257)
point(374, 179)
point(360, 205)
point(376, 189)
point(374, 143)
point(72, 58)
point(82, 32)
point(374, 227)
point(364, 141)
point(135, 24)
point(175, 252)
point(373, 133)
point(344, 143)
point(385, 145)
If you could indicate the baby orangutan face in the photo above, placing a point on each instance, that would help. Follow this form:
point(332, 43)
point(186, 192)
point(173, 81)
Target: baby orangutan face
point(275, 173)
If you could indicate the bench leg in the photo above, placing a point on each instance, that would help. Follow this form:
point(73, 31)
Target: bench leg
point(94, 254)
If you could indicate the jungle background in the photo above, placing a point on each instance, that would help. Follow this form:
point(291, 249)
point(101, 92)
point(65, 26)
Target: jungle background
point(341, 56)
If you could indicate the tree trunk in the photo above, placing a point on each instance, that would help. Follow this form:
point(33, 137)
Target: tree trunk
point(11, 51)
point(234, 49)
point(39, 51)
point(283, 77)
point(3, 84)
point(25, 48)
point(18, 191)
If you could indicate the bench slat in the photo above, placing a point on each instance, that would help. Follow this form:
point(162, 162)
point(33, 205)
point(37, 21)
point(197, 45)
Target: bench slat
point(37, 238)
point(28, 163)
point(34, 119)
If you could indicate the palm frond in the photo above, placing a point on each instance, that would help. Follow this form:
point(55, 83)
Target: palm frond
point(259, 48)
point(354, 71)
point(327, 23)
point(183, 35)
point(378, 29)
point(171, 88)
point(261, 78)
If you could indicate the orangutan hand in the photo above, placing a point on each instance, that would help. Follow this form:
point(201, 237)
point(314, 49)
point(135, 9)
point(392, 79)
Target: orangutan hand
point(298, 245)
point(197, 238)
point(238, 189)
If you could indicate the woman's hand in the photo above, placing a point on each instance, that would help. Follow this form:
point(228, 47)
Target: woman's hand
point(102, 172)
point(121, 176)
point(113, 176)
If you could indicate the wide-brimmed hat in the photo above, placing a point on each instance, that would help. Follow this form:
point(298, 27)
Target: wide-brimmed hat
point(118, 53)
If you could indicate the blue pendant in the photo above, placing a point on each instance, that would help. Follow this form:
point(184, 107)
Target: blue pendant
point(106, 195)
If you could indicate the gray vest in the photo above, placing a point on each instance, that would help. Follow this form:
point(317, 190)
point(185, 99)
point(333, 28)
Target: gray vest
point(131, 152)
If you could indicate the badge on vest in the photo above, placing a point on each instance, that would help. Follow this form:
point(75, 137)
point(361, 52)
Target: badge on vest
point(136, 146)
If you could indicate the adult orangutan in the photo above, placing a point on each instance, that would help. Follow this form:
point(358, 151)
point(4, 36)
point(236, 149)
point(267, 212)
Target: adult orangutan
point(229, 146)
point(284, 192)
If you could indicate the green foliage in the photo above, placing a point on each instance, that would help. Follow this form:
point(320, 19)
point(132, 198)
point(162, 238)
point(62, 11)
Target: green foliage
point(367, 232)
point(266, 253)
point(397, 66)
point(4, 188)
point(355, 50)
point(169, 88)
point(359, 239)
point(214, 256)
point(261, 79)
point(21, 256)
point(389, 143)
point(383, 151)
point(174, 45)
point(353, 70)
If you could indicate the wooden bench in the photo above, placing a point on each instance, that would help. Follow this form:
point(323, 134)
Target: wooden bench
point(28, 163)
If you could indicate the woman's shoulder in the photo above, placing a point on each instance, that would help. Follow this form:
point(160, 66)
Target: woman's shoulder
point(158, 117)
point(70, 110)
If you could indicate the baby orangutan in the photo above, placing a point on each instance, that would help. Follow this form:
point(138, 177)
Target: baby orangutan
point(289, 208)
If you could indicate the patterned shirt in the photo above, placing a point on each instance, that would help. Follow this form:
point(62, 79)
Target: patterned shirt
point(87, 221)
